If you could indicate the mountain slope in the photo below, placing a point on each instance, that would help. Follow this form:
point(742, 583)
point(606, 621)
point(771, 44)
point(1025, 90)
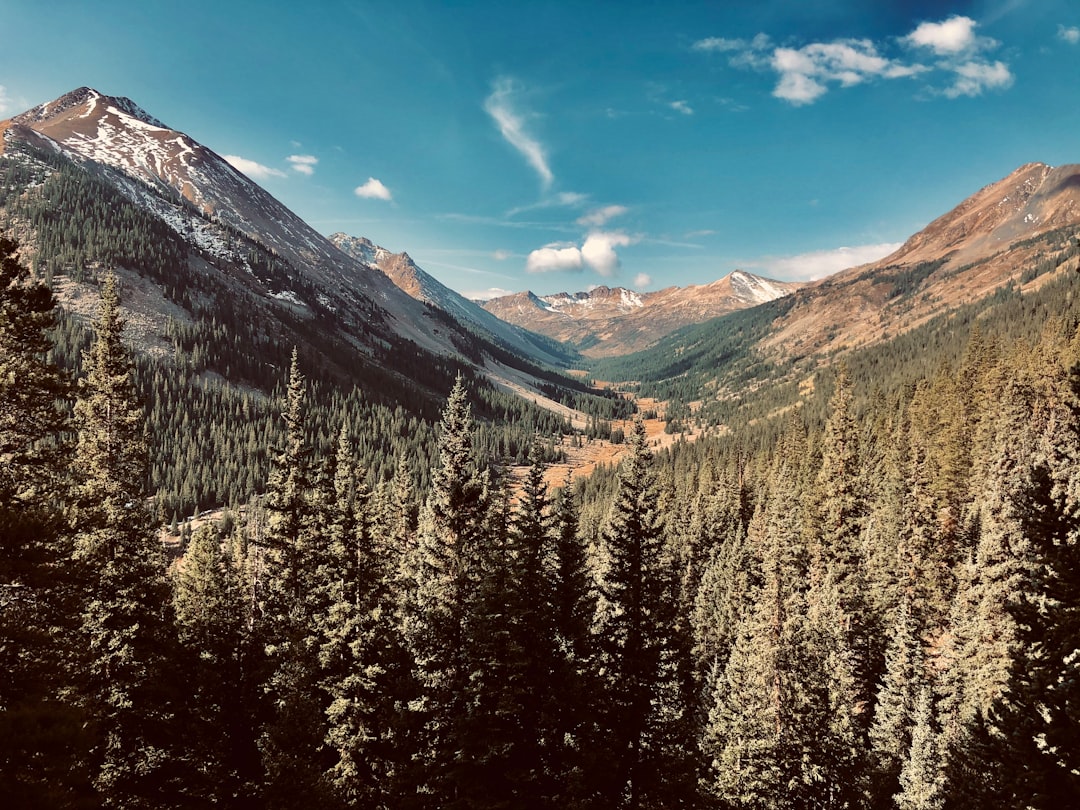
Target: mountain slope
point(610, 321)
point(1006, 260)
point(989, 240)
point(235, 255)
point(409, 277)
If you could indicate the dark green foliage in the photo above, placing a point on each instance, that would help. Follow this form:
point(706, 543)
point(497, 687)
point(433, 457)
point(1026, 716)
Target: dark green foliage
point(125, 621)
point(43, 740)
point(637, 649)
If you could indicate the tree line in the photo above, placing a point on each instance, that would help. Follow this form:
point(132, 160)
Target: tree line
point(880, 612)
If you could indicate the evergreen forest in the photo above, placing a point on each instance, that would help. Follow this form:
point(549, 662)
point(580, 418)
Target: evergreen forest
point(873, 602)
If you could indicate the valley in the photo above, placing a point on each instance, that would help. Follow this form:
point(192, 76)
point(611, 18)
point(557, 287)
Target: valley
point(285, 521)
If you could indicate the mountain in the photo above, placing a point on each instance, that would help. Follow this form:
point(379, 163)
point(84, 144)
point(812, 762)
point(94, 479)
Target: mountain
point(996, 237)
point(196, 240)
point(409, 277)
point(608, 321)
point(1005, 261)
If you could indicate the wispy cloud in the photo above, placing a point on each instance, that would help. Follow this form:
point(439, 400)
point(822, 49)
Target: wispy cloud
point(1070, 35)
point(973, 78)
point(804, 74)
point(564, 199)
point(253, 169)
point(373, 190)
point(502, 255)
point(820, 263)
point(5, 100)
point(599, 217)
point(499, 105)
point(305, 164)
point(642, 280)
point(596, 253)
point(682, 107)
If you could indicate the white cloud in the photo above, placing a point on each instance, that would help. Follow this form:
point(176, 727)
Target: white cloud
point(681, 106)
point(554, 259)
point(821, 263)
point(501, 255)
point(486, 295)
point(974, 77)
point(720, 44)
point(1070, 35)
point(642, 280)
point(512, 127)
point(805, 72)
point(305, 164)
point(253, 169)
point(373, 190)
point(601, 216)
point(955, 35)
point(598, 252)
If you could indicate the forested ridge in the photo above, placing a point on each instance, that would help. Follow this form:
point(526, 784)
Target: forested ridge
point(210, 404)
point(877, 606)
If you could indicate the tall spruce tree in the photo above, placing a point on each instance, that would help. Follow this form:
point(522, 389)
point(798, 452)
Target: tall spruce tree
point(42, 746)
point(362, 663)
point(211, 618)
point(126, 617)
point(291, 606)
point(573, 606)
point(894, 710)
point(636, 648)
point(440, 581)
point(757, 737)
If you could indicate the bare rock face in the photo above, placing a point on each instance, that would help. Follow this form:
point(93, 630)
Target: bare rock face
point(412, 279)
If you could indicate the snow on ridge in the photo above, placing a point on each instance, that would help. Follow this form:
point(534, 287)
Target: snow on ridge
point(755, 288)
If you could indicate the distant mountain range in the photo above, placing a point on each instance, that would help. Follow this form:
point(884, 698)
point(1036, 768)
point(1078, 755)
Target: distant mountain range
point(608, 321)
point(93, 181)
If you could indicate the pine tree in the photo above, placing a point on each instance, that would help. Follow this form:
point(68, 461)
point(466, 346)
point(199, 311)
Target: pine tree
point(894, 712)
point(837, 646)
point(531, 756)
point(42, 745)
point(291, 605)
point(211, 619)
point(920, 778)
point(362, 663)
point(751, 738)
point(126, 621)
point(440, 580)
point(636, 649)
point(575, 681)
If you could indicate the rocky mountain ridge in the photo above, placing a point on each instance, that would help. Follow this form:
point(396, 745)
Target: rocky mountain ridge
point(988, 241)
point(291, 284)
point(412, 279)
point(607, 321)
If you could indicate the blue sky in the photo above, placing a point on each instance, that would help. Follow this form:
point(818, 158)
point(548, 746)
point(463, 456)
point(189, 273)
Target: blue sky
point(559, 145)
